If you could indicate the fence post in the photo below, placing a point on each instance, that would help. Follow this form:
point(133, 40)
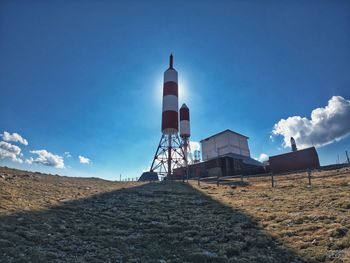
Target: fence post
point(199, 180)
point(309, 176)
point(217, 180)
point(272, 180)
point(241, 178)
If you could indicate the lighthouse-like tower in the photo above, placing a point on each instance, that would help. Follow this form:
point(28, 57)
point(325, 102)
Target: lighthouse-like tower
point(170, 114)
point(185, 134)
point(170, 153)
point(185, 131)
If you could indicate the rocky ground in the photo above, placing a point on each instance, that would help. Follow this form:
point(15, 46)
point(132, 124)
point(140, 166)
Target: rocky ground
point(46, 218)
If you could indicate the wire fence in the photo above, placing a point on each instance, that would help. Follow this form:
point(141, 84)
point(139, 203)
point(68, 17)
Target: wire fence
point(129, 179)
point(303, 177)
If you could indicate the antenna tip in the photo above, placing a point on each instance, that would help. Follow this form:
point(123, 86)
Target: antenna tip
point(171, 61)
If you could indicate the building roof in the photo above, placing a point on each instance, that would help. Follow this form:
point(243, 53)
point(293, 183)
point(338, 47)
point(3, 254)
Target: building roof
point(228, 130)
point(245, 159)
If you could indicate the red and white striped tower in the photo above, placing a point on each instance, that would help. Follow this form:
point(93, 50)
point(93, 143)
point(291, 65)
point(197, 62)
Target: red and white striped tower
point(169, 154)
point(170, 114)
point(185, 133)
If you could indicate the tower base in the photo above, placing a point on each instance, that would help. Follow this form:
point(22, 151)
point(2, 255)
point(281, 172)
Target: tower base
point(169, 155)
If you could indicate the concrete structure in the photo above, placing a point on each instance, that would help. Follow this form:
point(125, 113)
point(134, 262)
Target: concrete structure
point(223, 143)
point(295, 161)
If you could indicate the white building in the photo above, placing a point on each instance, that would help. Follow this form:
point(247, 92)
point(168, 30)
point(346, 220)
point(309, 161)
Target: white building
point(224, 143)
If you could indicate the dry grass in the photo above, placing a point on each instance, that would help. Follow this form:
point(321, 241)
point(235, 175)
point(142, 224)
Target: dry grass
point(45, 218)
point(313, 222)
point(29, 191)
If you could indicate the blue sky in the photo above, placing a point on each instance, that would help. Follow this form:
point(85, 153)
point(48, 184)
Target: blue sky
point(85, 77)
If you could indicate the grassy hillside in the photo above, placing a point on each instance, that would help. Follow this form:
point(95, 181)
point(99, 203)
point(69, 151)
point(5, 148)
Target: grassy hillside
point(313, 222)
point(46, 218)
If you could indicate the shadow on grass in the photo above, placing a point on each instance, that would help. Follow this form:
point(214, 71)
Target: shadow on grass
point(156, 222)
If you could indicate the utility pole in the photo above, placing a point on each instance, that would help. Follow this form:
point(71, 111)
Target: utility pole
point(120, 177)
point(347, 156)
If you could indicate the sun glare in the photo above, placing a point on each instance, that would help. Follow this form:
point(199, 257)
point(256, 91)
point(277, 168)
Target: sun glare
point(158, 90)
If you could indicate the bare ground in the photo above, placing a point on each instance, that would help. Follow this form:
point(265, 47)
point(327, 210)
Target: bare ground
point(45, 218)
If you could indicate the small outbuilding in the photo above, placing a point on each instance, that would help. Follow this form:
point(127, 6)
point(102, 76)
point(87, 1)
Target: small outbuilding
point(223, 143)
point(294, 161)
point(148, 176)
point(224, 154)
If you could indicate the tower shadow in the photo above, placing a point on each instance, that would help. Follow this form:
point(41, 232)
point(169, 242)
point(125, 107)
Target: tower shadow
point(155, 222)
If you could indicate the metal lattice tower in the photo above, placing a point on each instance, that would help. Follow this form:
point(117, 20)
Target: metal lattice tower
point(169, 155)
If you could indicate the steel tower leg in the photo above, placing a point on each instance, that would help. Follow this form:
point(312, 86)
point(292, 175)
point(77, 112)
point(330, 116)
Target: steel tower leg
point(169, 155)
point(155, 155)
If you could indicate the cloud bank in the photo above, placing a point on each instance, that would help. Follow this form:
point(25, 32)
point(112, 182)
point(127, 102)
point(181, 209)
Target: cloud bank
point(46, 158)
point(84, 160)
point(262, 157)
point(328, 124)
point(14, 137)
point(10, 151)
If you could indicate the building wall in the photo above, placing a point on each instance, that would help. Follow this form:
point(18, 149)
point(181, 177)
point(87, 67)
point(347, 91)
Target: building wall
point(221, 166)
point(223, 144)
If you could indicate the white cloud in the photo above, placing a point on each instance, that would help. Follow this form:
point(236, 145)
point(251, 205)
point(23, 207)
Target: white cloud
point(14, 137)
point(29, 161)
point(262, 158)
point(195, 146)
point(328, 124)
point(47, 158)
point(84, 160)
point(67, 154)
point(10, 151)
